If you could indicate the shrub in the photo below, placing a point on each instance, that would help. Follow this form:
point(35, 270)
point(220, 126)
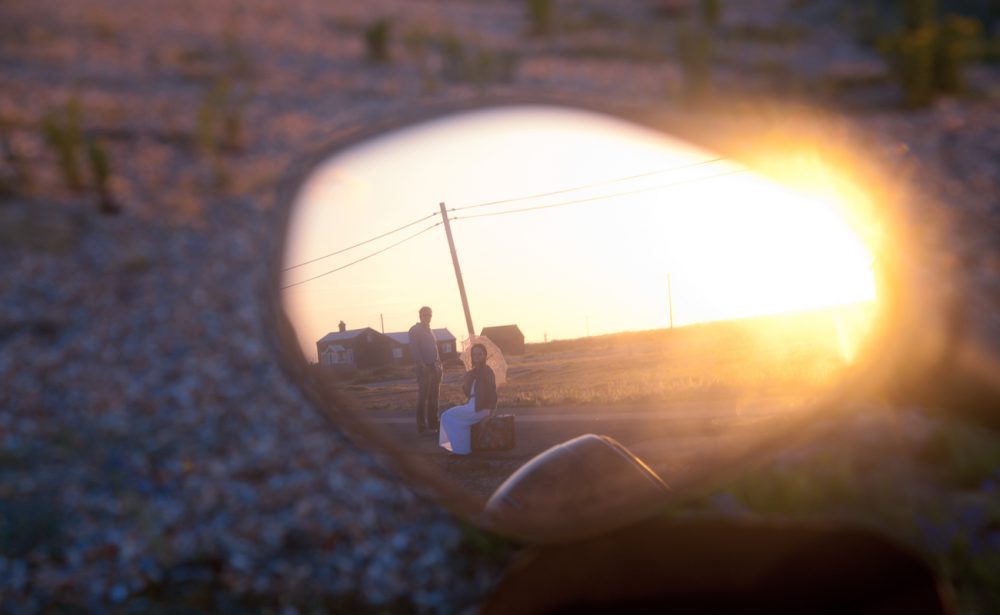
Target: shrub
point(209, 111)
point(100, 168)
point(928, 54)
point(63, 133)
point(958, 43)
point(220, 125)
point(918, 13)
point(14, 176)
point(710, 11)
point(540, 16)
point(377, 36)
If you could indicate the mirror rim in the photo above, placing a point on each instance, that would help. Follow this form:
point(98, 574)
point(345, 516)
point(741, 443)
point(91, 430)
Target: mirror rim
point(697, 126)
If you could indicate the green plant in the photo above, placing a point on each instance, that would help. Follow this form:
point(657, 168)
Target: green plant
point(913, 53)
point(234, 136)
point(207, 132)
point(958, 42)
point(928, 55)
point(377, 38)
point(865, 21)
point(219, 123)
point(100, 168)
point(918, 13)
point(14, 176)
point(64, 134)
point(209, 112)
point(710, 11)
point(540, 16)
point(103, 27)
point(219, 120)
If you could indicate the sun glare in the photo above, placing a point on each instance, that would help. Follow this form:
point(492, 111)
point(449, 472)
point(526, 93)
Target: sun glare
point(622, 228)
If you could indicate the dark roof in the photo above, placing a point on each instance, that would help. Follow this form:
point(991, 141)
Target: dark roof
point(338, 336)
point(402, 338)
point(440, 335)
point(502, 330)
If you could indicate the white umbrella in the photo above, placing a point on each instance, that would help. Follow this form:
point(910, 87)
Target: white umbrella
point(494, 357)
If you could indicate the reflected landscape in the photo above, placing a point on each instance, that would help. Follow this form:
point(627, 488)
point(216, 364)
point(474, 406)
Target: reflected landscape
point(635, 286)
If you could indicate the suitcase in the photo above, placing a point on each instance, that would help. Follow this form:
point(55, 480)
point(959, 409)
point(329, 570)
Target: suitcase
point(494, 433)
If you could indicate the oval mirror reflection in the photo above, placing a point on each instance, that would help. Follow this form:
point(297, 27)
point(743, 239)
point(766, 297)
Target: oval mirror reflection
point(667, 299)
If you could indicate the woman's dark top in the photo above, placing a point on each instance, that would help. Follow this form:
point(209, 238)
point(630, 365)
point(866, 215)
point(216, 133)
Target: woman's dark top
point(486, 386)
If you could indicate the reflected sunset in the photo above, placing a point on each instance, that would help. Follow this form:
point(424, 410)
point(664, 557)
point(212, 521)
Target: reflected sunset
point(613, 214)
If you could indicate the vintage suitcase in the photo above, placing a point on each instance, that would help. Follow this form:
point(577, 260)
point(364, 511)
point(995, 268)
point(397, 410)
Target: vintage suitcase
point(494, 433)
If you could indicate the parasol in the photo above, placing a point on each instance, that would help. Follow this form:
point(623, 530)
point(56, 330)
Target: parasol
point(494, 357)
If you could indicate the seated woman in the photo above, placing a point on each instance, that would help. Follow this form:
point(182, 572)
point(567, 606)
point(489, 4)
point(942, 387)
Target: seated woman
point(480, 385)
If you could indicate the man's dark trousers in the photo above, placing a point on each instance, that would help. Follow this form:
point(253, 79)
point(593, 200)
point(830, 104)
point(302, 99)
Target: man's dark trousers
point(428, 387)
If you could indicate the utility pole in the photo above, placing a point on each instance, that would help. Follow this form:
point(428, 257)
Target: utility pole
point(382, 318)
point(670, 301)
point(458, 273)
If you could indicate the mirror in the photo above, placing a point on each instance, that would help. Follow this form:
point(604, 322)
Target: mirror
point(677, 300)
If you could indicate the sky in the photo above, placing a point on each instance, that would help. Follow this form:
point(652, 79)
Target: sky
point(623, 210)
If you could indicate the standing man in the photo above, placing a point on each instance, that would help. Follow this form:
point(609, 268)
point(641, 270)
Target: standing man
point(424, 349)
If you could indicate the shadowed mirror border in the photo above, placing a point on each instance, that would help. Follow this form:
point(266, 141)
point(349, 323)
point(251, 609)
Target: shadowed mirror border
point(726, 129)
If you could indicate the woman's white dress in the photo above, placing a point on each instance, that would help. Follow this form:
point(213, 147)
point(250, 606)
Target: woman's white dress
point(456, 426)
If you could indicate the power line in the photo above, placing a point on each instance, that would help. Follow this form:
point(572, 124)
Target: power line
point(498, 213)
point(593, 185)
point(418, 233)
point(598, 198)
point(521, 198)
point(357, 245)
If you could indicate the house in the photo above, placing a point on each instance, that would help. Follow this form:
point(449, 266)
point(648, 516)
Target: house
point(356, 348)
point(446, 343)
point(508, 338)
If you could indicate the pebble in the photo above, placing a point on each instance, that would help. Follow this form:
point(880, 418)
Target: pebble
point(136, 374)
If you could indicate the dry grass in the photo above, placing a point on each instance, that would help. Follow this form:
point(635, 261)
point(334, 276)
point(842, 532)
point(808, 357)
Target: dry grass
point(784, 355)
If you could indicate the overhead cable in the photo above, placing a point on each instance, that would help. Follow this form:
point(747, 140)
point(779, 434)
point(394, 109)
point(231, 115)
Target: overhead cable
point(598, 198)
point(357, 245)
point(593, 185)
point(363, 258)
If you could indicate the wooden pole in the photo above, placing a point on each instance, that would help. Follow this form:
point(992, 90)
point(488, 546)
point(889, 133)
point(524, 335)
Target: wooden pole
point(458, 273)
point(382, 318)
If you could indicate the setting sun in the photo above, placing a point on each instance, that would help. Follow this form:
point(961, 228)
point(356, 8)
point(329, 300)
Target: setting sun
point(567, 223)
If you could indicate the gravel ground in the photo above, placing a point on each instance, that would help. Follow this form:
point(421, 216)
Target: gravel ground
point(151, 446)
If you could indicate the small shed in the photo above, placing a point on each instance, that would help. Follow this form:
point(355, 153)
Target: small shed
point(358, 348)
point(508, 337)
point(446, 343)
